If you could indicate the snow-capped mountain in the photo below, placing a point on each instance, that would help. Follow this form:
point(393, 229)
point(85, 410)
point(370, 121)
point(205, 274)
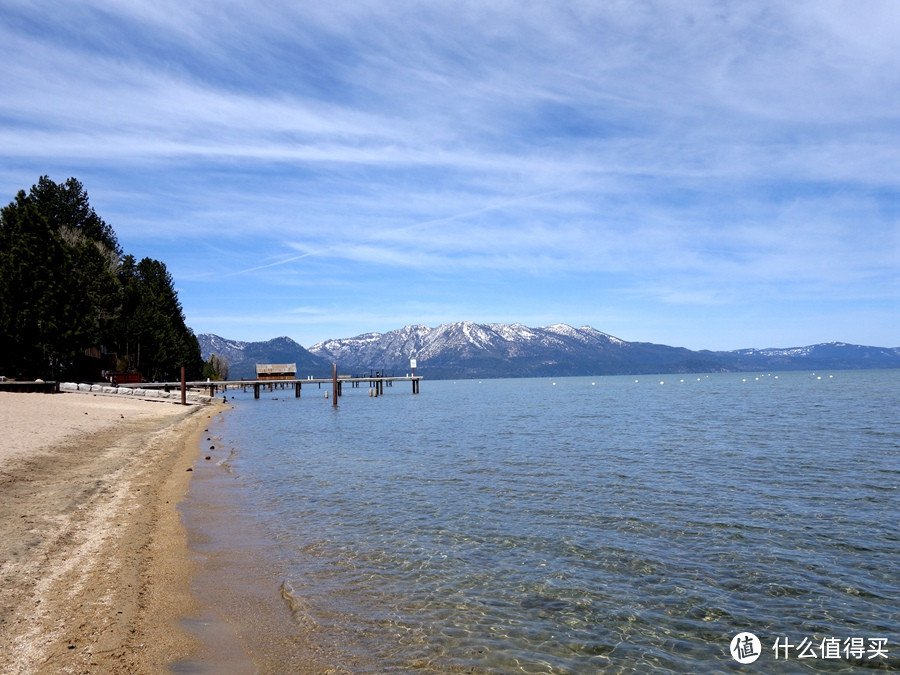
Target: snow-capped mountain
point(213, 344)
point(824, 355)
point(467, 349)
point(462, 339)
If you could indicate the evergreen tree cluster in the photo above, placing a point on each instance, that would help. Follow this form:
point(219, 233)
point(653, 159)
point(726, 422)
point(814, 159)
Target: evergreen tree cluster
point(73, 305)
point(217, 368)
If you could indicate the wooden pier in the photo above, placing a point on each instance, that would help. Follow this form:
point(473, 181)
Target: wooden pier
point(376, 384)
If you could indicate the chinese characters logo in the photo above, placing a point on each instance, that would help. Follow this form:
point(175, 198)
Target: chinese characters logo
point(745, 647)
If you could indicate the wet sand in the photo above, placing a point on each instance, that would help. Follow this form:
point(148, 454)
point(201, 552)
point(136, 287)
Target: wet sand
point(94, 565)
point(246, 623)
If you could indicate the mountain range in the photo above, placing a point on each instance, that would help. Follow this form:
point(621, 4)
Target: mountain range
point(471, 350)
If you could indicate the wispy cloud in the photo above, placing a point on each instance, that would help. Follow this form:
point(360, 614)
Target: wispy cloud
point(711, 154)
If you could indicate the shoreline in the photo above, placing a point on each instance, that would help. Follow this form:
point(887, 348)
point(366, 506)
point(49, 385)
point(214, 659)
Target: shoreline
point(95, 569)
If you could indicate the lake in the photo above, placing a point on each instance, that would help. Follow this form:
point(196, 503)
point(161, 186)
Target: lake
point(568, 525)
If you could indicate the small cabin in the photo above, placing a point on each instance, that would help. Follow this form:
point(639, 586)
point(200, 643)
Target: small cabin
point(276, 371)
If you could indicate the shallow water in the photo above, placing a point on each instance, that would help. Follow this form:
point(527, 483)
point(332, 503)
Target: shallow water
point(568, 525)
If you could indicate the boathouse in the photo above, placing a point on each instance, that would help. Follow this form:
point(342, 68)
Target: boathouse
point(276, 371)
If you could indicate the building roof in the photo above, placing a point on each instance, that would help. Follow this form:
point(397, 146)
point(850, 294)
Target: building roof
point(275, 368)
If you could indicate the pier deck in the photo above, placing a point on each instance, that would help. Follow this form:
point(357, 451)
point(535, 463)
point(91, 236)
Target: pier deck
point(375, 382)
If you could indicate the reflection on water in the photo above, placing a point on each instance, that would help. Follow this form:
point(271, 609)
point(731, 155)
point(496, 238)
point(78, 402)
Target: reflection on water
point(577, 524)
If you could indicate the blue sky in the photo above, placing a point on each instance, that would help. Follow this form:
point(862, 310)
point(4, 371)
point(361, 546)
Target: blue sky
point(708, 174)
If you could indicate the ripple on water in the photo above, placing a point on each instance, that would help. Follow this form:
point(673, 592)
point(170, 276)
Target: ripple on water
point(635, 527)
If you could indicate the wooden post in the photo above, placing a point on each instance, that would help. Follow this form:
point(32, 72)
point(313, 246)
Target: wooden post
point(297, 390)
point(183, 387)
point(256, 390)
point(334, 385)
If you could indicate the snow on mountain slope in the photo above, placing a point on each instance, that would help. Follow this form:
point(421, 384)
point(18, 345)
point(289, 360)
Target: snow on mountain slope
point(469, 349)
point(463, 339)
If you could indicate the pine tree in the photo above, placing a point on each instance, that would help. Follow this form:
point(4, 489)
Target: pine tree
point(67, 205)
point(217, 367)
point(38, 321)
point(153, 323)
point(65, 288)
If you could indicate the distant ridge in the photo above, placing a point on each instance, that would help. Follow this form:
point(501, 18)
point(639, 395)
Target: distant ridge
point(243, 356)
point(466, 350)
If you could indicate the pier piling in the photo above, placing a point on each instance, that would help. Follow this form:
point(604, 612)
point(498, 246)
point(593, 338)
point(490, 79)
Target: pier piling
point(334, 385)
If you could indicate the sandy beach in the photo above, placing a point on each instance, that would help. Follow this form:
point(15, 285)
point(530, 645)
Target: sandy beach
point(94, 567)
